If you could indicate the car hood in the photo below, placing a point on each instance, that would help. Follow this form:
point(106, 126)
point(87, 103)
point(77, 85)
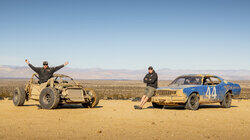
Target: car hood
point(176, 87)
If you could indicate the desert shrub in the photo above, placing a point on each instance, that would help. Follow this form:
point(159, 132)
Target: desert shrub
point(107, 89)
point(245, 93)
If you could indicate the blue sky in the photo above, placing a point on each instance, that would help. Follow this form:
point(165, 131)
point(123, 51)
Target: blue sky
point(116, 34)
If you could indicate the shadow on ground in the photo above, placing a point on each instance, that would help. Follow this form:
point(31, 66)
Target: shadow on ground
point(29, 105)
point(183, 107)
point(68, 106)
point(75, 107)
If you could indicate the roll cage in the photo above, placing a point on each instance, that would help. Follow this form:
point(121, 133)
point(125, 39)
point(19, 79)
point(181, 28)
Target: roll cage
point(58, 78)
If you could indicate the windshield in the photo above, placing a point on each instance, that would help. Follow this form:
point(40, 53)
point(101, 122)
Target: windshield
point(188, 80)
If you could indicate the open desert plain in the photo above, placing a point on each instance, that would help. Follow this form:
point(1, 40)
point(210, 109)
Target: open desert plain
point(120, 53)
point(115, 118)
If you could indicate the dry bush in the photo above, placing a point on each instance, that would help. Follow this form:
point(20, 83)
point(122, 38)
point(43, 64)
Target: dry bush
point(7, 86)
point(107, 89)
point(245, 93)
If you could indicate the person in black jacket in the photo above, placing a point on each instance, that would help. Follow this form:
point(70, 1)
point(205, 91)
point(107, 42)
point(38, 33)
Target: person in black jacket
point(151, 79)
point(45, 72)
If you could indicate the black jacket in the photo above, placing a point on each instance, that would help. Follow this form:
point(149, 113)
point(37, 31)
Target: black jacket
point(151, 79)
point(45, 74)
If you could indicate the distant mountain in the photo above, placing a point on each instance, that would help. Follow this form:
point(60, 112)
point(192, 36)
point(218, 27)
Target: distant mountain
point(97, 73)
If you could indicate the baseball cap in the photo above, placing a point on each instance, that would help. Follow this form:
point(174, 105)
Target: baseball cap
point(150, 68)
point(45, 63)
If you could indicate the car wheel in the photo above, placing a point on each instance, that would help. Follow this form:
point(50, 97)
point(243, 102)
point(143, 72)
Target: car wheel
point(94, 98)
point(192, 102)
point(49, 98)
point(226, 103)
point(19, 96)
point(155, 105)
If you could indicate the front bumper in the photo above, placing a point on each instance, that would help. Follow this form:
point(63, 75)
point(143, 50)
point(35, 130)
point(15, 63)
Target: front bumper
point(168, 100)
point(169, 97)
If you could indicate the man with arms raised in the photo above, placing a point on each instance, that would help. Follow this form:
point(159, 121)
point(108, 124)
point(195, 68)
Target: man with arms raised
point(45, 72)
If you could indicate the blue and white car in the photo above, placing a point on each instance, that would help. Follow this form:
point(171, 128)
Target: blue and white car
point(195, 89)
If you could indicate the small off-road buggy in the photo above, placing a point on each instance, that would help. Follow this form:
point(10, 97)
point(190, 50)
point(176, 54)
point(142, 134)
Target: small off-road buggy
point(58, 90)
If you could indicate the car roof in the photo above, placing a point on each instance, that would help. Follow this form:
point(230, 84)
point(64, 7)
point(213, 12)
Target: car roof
point(198, 75)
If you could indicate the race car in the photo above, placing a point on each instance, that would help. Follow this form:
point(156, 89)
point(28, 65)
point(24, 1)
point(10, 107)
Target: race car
point(195, 89)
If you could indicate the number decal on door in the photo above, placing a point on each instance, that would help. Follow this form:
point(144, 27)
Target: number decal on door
point(212, 94)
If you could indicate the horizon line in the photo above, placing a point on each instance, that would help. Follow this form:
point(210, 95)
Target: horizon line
point(134, 69)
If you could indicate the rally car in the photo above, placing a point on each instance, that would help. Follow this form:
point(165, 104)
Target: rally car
point(193, 90)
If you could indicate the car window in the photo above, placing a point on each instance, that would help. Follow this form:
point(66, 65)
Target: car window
point(180, 81)
point(207, 81)
point(211, 81)
point(188, 80)
point(215, 80)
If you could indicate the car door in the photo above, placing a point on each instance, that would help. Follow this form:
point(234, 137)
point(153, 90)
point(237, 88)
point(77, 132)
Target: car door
point(210, 90)
point(206, 88)
point(219, 87)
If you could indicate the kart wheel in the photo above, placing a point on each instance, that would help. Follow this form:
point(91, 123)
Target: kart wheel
point(94, 98)
point(49, 98)
point(226, 103)
point(19, 96)
point(155, 105)
point(192, 102)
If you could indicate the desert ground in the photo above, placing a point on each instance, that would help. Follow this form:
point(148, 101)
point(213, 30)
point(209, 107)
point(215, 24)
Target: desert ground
point(116, 119)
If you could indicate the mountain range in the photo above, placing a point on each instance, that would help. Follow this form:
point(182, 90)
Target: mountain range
point(7, 71)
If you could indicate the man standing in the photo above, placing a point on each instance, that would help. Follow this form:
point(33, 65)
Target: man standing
point(45, 72)
point(151, 79)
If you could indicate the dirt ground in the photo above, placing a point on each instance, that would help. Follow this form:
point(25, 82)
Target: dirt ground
point(116, 119)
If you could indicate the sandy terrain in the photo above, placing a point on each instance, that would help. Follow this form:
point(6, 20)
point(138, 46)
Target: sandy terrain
point(116, 119)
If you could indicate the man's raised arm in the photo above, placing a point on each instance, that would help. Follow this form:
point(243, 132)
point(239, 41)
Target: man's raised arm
point(31, 66)
point(60, 66)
